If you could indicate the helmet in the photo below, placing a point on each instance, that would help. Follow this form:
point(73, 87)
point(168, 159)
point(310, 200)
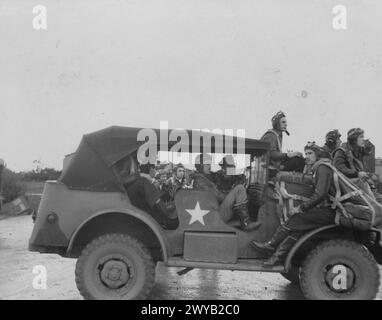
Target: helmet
point(311, 145)
point(276, 119)
point(332, 136)
point(354, 133)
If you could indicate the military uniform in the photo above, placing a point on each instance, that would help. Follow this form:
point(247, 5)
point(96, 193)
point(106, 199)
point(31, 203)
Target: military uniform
point(235, 201)
point(225, 182)
point(145, 196)
point(316, 212)
point(275, 138)
point(279, 160)
point(175, 185)
point(328, 151)
point(313, 214)
point(142, 193)
point(350, 161)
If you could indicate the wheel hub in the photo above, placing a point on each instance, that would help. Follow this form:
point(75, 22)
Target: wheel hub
point(115, 274)
point(339, 278)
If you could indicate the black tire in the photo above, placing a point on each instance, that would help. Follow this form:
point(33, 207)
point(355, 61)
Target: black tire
point(293, 275)
point(318, 274)
point(115, 266)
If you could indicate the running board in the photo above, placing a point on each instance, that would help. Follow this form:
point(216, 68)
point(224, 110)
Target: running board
point(241, 265)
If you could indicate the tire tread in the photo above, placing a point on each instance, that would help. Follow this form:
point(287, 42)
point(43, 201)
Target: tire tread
point(307, 265)
point(127, 241)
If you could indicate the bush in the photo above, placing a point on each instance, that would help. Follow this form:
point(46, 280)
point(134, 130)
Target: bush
point(42, 174)
point(13, 187)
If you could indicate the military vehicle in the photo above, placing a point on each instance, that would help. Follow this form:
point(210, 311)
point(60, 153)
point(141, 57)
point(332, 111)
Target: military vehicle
point(87, 215)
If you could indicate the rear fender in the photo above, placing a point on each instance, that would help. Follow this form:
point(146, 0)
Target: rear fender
point(302, 240)
point(141, 215)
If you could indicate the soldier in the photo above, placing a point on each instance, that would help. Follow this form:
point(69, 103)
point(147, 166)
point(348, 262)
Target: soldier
point(148, 171)
point(143, 194)
point(349, 159)
point(178, 181)
point(163, 186)
point(291, 161)
point(332, 142)
point(311, 214)
point(226, 178)
point(235, 202)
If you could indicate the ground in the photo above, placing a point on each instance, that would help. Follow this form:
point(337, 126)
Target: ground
point(17, 264)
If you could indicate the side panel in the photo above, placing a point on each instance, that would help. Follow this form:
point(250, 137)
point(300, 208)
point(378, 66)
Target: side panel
point(210, 247)
point(72, 207)
point(198, 211)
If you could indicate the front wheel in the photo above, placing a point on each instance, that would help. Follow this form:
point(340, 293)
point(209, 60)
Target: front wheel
point(115, 266)
point(339, 270)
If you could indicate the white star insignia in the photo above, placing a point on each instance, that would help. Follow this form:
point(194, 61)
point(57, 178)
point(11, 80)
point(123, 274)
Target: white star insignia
point(197, 214)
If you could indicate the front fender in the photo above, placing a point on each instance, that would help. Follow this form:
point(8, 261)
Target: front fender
point(139, 214)
point(301, 241)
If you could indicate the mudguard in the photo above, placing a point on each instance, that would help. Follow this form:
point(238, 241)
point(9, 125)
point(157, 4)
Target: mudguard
point(141, 215)
point(301, 241)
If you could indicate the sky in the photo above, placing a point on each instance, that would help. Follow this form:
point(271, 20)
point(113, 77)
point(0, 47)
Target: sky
point(197, 64)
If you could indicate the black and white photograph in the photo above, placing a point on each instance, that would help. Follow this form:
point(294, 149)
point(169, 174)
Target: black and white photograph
point(204, 151)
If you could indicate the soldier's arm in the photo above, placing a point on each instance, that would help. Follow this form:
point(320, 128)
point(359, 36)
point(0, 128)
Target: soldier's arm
point(324, 178)
point(274, 154)
point(339, 162)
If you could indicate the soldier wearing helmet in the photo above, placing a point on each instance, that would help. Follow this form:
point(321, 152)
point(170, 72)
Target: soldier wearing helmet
point(291, 161)
point(231, 203)
point(332, 142)
point(311, 214)
point(349, 157)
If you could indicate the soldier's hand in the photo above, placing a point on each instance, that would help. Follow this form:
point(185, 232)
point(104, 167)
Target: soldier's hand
point(363, 175)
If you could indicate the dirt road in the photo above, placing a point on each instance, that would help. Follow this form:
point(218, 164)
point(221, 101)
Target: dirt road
point(17, 265)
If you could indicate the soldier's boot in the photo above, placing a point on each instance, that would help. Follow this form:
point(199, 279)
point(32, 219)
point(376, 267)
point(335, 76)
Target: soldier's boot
point(270, 246)
point(242, 212)
point(166, 215)
point(281, 252)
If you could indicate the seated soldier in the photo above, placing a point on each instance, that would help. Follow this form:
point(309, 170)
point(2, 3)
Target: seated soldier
point(227, 178)
point(143, 194)
point(178, 181)
point(291, 161)
point(349, 159)
point(233, 202)
point(312, 214)
point(148, 171)
point(164, 187)
point(332, 142)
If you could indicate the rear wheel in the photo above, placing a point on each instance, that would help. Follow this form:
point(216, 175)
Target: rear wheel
point(115, 266)
point(340, 270)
